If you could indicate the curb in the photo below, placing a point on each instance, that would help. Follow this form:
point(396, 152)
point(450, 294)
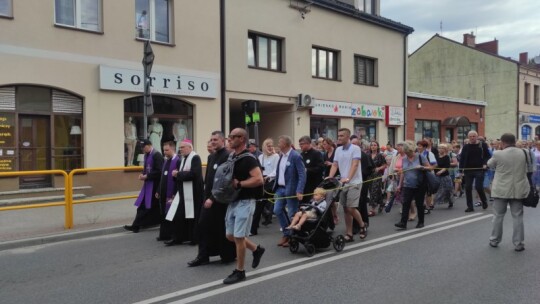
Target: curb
point(59, 238)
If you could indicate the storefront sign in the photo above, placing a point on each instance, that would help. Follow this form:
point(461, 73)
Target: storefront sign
point(331, 108)
point(395, 116)
point(367, 111)
point(534, 118)
point(7, 130)
point(121, 79)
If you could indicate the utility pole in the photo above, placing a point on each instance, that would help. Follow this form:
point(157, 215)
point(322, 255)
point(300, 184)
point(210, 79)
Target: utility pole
point(148, 107)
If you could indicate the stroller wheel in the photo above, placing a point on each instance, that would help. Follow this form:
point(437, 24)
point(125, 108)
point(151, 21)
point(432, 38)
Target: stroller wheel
point(310, 249)
point(339, 243)
point(293, 246)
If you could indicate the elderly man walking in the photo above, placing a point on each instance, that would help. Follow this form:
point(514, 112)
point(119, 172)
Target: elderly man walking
point(473, 162)
point(510, 186)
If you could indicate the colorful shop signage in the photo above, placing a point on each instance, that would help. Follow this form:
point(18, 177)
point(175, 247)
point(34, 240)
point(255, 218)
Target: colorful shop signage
point(367, 111)
point(7, 142)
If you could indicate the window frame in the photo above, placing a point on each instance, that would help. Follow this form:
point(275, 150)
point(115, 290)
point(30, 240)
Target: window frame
point(526, 93)
point(536, 95)
point(9, 13)
point(78, 18)
point(336, 62)
point(254, 37)
point(152, 23)
point(375, 75)
point(423, 122)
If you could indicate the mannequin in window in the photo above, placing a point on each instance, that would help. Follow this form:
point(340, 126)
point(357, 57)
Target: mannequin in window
point(130, 139)
point(155, 132)
point(180, 132)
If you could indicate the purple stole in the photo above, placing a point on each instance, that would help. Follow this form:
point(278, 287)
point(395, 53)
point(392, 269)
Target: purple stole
point(170, 183)
point(146, 191)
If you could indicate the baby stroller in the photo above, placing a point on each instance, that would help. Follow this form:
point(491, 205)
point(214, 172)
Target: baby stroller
point(314, 233)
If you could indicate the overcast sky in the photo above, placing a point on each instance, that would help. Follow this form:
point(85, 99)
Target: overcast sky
point(515, 23)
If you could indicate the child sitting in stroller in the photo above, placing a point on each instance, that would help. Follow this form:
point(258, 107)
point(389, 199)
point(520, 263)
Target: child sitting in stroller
point(316, 208)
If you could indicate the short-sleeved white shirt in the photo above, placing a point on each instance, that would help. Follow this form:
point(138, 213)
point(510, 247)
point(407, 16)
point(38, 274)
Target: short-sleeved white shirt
point(344, 157)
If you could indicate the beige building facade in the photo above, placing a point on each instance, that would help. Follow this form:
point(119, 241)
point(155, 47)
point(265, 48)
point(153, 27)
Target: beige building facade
point(71, 90)
point(529, 100)
point(316, 67)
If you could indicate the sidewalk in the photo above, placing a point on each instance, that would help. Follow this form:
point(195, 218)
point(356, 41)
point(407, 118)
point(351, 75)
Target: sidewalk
point(27, 227)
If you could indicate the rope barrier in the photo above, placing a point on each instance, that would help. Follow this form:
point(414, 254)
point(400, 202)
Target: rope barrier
point(273, 199)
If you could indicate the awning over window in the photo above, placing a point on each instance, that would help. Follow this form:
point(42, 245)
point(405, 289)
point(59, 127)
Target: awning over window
point(456, 121)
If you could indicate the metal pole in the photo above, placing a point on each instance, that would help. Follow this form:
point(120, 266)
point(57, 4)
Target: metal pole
point(145, 102)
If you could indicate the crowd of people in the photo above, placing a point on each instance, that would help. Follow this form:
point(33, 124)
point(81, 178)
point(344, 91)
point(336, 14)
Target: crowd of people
point(277, 180)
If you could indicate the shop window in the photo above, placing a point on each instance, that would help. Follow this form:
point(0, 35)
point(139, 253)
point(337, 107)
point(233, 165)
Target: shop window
point(526, 132)
point(172, 121)
point(323, 127)
point(7, 142)
point(324, 63)
point(427, 128)
point(153, 20)
point(6, 8)
point(82, 14)
point(264, 52)
point(365, 129)
point(365, 70)
point(67, 151)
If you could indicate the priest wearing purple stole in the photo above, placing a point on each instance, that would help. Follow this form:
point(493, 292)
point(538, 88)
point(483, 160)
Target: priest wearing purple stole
point(184, 211)
point(167, 188)
point(147, 203)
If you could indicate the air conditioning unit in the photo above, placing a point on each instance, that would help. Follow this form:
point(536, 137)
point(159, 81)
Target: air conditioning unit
point(305, 101)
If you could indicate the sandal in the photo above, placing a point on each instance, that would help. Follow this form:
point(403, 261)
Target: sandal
point(349, 238)
point(363, 232)
point(371, 213)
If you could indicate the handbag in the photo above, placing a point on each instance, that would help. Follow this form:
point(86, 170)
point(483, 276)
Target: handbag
point(532, 199)
point(432, 181)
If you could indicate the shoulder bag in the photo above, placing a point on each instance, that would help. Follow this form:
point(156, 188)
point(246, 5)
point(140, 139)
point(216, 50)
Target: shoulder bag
point(532, 199)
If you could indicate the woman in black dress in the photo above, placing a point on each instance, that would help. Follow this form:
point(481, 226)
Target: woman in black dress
point(375, 179)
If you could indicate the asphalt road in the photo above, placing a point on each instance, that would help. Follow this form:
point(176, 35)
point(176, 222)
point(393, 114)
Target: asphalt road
point(449, 261)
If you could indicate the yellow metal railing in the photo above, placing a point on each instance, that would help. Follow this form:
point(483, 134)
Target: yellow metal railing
point(67, 208)
point(68, 190)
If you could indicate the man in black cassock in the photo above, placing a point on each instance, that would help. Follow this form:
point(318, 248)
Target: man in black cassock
point(167, 188)
point(314, 163)
point(211, 227)
point(147, 204)
point(185, 213)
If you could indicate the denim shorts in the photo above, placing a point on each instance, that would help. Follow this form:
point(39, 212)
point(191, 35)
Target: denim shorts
point(239, 217)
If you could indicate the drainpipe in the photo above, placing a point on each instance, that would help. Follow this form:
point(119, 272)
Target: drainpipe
point(517, 104)
point(405, 65)
point(223, 63)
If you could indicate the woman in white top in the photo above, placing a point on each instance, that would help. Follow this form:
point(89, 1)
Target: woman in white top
point(268, 160)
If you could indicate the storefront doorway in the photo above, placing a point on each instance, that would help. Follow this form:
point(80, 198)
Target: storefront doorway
point(34, 150)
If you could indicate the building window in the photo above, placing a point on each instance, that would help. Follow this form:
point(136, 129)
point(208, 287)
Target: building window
point(527, 94)
point(365, 70)
point(366, 130)
point(172, 121)
point(153, 20)
point(323, 127)
point(324, 63)
point(82, 14)
point(6, 8)
point(427, 128)
point(536, 95)
point(366, 6)
point(264, 52)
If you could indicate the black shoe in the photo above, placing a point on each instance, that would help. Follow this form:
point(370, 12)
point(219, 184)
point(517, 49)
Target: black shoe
point(427, 211)
point(171, 243)
point(420, 225)
point(484, 205)
point(198, 262)
point(266, 222)
point(460, 193)
point(450, 205)
point(257, 254)
point(401, 226)
point(160, 239)
point(235, 277)
point(131, 228)
point(519, 247)
point(469, 209)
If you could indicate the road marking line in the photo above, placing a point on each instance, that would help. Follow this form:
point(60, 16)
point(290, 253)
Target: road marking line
point(175, 294)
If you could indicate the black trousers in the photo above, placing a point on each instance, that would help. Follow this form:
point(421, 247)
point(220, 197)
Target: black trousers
point(408, 194)
point(478, 178)
point(362, 208)
point(211, 233)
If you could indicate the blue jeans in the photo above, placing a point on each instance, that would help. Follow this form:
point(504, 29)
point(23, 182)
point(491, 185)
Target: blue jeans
point(284, 216)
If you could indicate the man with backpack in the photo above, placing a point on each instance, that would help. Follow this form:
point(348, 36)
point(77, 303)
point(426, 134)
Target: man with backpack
point(248, 180)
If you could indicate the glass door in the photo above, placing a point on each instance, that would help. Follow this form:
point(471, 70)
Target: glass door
point(34, 150)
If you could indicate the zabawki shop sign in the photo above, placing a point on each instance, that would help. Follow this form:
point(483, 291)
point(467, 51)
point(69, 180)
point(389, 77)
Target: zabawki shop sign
point(347, 109)
point(130, 80)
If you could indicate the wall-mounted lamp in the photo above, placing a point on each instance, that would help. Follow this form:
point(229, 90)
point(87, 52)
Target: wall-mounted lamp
point(477, 110)
point(419, 106)
point(75, 130)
